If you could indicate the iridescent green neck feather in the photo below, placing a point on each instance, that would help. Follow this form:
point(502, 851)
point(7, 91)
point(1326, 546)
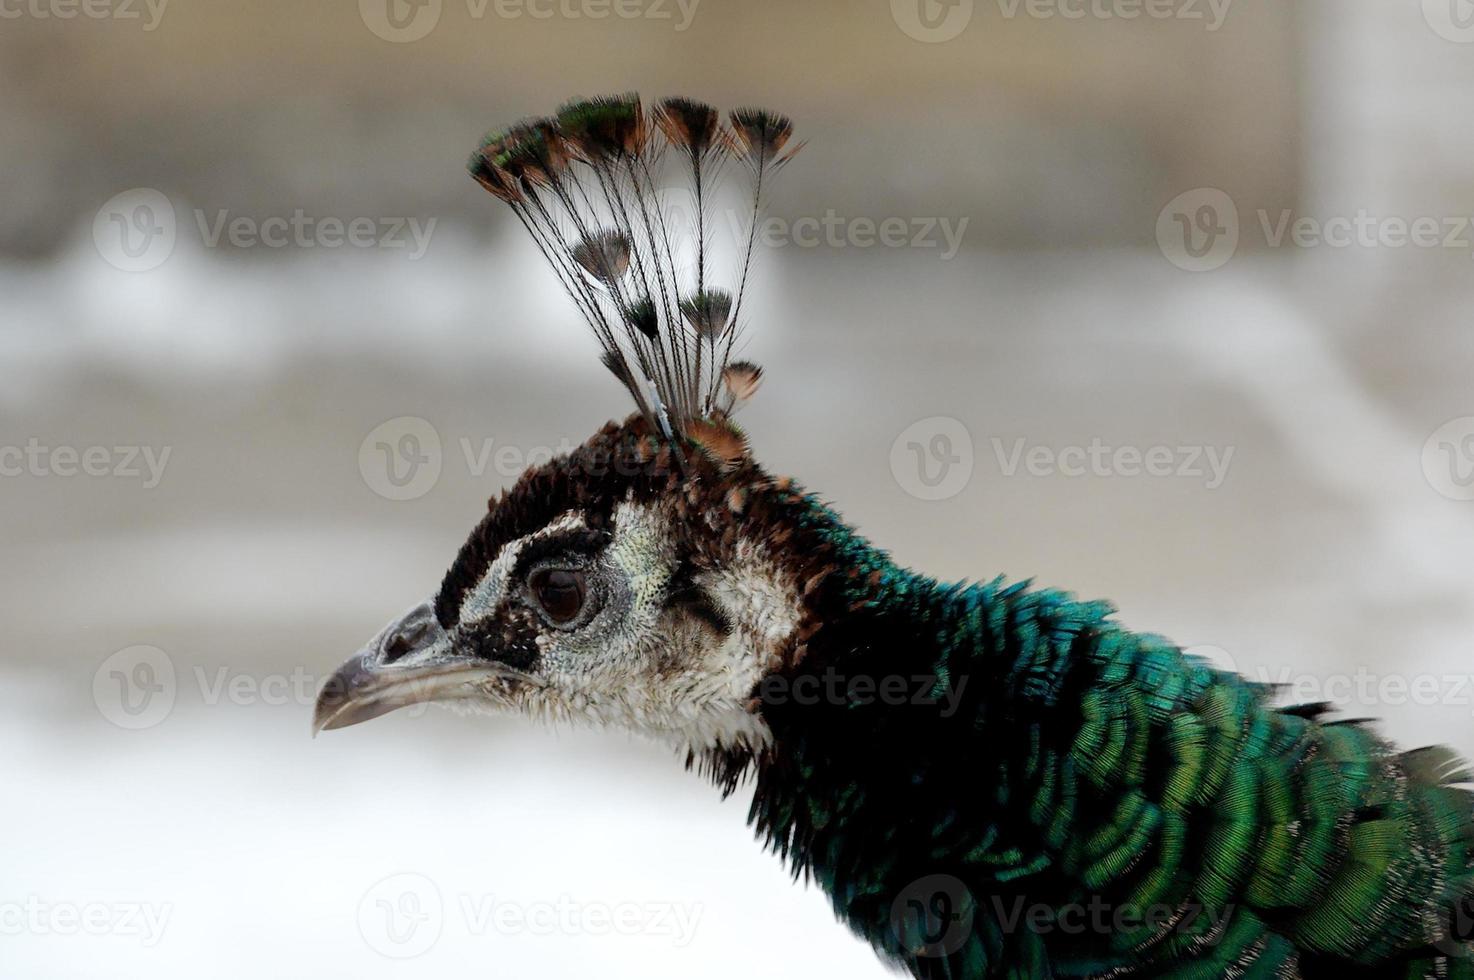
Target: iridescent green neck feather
point(998, 780)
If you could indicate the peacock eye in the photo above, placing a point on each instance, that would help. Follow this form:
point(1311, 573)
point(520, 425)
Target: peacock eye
point(560, 592)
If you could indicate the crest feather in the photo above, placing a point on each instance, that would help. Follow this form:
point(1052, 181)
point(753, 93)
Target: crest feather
point(583, 184)
point(742, 380)
point(605, 255)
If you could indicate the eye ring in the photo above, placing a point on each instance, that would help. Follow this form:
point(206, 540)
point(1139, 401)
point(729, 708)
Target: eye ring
point(560, 593)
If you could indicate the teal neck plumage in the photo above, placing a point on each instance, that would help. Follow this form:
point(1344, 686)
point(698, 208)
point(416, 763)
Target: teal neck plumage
point(895, 756)
point(952, 762)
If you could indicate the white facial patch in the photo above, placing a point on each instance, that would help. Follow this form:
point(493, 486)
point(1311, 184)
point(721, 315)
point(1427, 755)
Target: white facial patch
point(678, 681)
point(640, 547)
point(755, 591)
point(488, 594)
point(763, 608)
point(644, 663)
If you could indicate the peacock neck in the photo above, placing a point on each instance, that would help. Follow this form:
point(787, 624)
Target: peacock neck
point(869, 616)
point(901, 717)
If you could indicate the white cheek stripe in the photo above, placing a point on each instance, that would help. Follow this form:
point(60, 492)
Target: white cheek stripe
point(489, 592)
point(704, 705)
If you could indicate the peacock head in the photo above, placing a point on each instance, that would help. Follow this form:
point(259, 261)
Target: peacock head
point(613, 586)
point(645, 580)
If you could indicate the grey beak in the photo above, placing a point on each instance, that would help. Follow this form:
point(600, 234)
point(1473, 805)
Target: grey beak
point(409, 662)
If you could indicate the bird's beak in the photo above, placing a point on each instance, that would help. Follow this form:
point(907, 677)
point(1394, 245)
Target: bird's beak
point(409, 662)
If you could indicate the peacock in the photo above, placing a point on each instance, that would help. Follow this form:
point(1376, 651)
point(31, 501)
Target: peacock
point(987, 779)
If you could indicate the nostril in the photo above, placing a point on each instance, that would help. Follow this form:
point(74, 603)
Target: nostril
point(396, 649)
point(403, 641)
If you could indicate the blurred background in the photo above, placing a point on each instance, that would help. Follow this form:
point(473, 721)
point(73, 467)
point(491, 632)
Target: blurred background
point(1170, 306)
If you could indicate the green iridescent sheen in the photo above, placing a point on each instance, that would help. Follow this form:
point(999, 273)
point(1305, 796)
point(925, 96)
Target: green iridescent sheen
point(1057, 766)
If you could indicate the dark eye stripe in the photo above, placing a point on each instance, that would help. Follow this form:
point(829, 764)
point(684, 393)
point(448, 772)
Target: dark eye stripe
point(581, 541)
point(509, 641)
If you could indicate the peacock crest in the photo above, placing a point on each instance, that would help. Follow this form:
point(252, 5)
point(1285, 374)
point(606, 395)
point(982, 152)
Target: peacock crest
point(587, 185)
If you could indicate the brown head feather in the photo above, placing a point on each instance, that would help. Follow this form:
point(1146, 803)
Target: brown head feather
point(720, 440)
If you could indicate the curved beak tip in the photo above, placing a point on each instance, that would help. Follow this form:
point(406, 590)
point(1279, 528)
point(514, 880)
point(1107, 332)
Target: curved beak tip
point(361, 690)
point(345, 697)
point(411, 661)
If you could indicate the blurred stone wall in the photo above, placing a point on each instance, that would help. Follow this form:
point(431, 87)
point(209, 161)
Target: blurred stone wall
point(1047, 129)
